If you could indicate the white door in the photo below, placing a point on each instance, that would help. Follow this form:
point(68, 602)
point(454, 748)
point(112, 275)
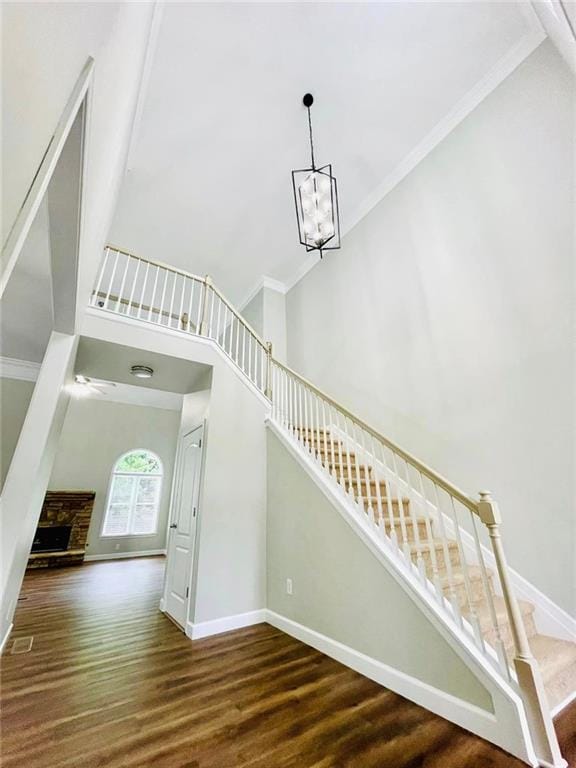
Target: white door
point(182, 529)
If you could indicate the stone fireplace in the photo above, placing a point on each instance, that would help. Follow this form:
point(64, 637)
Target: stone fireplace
point(62, 531)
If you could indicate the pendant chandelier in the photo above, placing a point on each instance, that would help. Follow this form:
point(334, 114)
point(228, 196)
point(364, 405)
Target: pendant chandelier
point(316, 200)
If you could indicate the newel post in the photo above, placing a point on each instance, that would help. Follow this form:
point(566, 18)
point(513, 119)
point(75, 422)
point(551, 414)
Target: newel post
point(268, 387)
point(204, 310)
point(527, 669)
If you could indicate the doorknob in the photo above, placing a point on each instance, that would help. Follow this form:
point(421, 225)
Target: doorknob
point(173, 525)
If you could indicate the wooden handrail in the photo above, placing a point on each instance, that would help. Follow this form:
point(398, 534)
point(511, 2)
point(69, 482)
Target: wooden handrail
point(449, 487)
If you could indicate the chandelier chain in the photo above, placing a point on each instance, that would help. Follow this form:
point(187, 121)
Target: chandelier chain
point(311, 140)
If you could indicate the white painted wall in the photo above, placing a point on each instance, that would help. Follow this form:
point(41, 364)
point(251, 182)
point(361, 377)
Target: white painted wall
point(45, 46)
point(231, 539)
point(266, 313)
point(95, 434)
point(343, 592)
point(446, 320)
point(29, 472)
point(14, 401)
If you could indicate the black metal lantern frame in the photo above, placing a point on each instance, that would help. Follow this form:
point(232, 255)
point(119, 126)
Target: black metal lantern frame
point(316, 201)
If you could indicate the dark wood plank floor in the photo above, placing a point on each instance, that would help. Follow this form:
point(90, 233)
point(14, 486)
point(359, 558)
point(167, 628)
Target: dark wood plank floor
point(111, 683)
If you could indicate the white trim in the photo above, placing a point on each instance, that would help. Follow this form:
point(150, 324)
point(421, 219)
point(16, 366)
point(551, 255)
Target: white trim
point(263, 282)
point(563, 704)
point(133, 494)
point(104, 314)
point(459, 641)
point(225, 624)
point(124, 555)
point(35, 194)
point(6, 638)
point(23, 370)
point(483, 88)
point(549, 618)
point(463, 713)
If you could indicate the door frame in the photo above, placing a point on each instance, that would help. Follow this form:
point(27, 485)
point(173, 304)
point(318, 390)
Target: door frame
point(174, 501)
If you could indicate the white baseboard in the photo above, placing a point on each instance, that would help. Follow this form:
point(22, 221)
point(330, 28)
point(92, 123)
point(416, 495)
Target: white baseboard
point(467, 715)
point(5, 638)
point(226, 624)
point(563, 704)
point(125, 555)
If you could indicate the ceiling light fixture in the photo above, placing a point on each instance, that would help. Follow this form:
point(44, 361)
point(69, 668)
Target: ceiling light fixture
point(142, 371)
point(316, 200)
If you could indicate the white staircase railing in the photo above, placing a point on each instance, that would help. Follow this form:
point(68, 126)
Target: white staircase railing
point(172, 298)
point(434, 531)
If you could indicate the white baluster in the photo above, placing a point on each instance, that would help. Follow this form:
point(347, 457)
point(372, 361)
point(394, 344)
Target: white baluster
point(401, 511)
point(182, 297)
point(163, 297)
point(449, 571)
point(95, 295)
point(121, 293)
point(131, 299)
point(191, 305)
point(474, 621)
point(107, 300)
point(139, 315)
point(489, 597)
point(171, 307)
point(153, 294)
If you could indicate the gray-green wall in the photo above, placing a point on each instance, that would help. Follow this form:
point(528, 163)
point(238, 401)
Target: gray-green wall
point(95, 434)
point(342, 591)
point(14, 401)
point(446, 319)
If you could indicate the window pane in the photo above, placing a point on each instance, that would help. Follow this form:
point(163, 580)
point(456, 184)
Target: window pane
point(144, 519)
point(148, 488)
point(117, 517)
point(121, 489)
point(139, 461)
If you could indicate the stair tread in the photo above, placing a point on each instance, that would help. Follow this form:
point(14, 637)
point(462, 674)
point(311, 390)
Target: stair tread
point(483, 610)
point(553, 654)
point(436, 543)
point(557, 661)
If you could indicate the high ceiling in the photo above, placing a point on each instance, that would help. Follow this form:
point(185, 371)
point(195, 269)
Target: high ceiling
point(221, 123)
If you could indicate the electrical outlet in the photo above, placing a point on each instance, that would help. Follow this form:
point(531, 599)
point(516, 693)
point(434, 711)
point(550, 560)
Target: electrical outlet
point(117, 547)
point(289, 590)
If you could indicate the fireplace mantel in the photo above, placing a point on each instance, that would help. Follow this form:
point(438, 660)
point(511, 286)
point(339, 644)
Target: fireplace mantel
point(65, 508)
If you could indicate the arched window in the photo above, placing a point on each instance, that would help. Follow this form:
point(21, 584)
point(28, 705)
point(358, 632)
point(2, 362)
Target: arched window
point(134, 497)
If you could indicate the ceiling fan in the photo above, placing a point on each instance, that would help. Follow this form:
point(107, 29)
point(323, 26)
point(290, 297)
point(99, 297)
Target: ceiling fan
point(85, 386)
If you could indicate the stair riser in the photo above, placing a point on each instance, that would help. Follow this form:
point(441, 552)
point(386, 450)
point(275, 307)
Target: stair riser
point(409, 529)
point(345, 473)
point(489, 634)
point(477, 593)
point(364, 488)
point(440, 558)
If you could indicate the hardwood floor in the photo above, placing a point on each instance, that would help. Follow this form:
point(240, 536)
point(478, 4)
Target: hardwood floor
point(112, 683)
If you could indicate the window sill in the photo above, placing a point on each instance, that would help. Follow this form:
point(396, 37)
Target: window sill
point(129, 535)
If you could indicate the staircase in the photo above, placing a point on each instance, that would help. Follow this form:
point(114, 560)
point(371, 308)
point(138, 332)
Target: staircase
point(441, 560)
point(445, 544)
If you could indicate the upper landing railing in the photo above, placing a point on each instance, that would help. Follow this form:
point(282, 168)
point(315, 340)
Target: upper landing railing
point(436, 535)
point(172, 298)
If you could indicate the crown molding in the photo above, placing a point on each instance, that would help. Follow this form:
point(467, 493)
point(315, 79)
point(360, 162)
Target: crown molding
point(22, 370)
point(263, 282)
point(483, 88)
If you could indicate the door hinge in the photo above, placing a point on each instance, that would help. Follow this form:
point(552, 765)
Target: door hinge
point(194, 512)
point(200, 443)
point(187, 591)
